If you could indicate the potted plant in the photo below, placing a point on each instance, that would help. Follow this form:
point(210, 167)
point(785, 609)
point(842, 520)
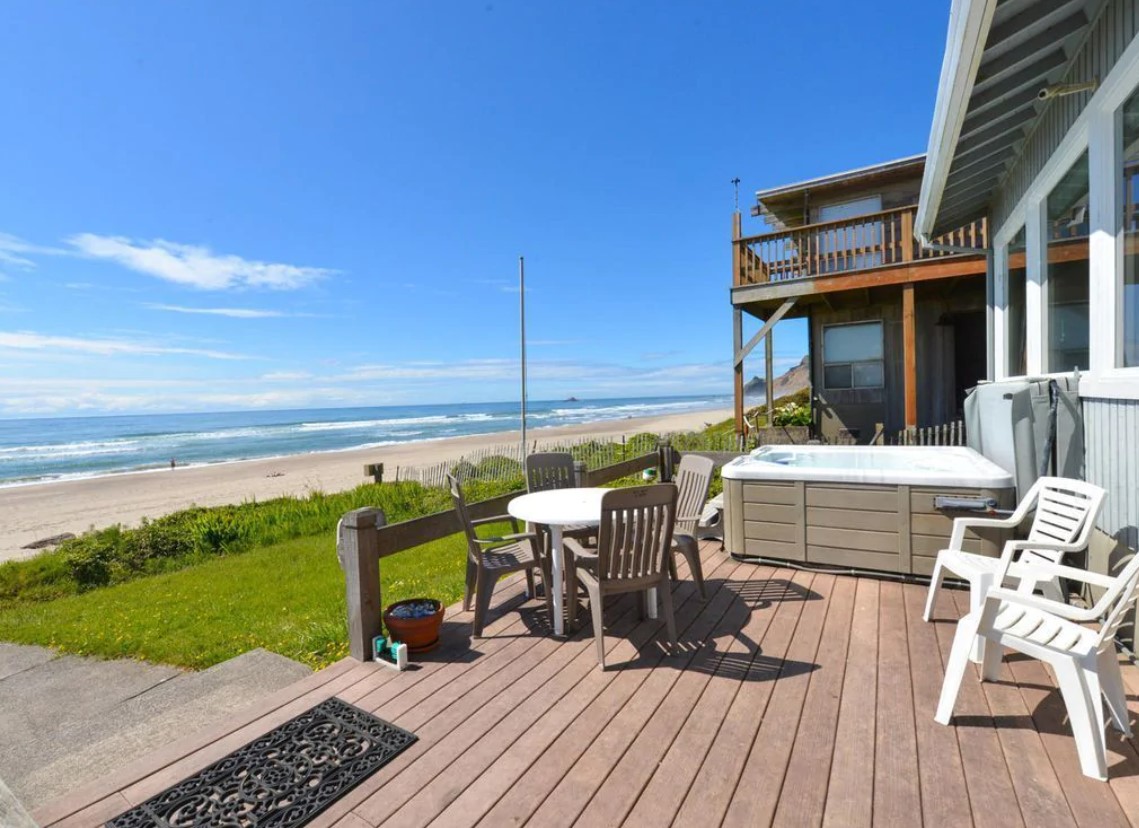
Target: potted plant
point(415, 622)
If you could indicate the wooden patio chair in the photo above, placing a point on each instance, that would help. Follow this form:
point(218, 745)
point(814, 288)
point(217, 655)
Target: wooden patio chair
point(489, 559)
point(1066, 512)
point(634, 544)
point(554, 470)
point(1083, 658)
point(549, 470)
point(693, 479)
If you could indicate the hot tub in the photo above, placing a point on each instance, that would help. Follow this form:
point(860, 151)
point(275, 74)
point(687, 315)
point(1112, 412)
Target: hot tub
point(863, 507)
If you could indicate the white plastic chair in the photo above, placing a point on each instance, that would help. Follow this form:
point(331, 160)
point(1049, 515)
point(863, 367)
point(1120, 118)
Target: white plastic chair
point(1083, 658)
point(1066, 512)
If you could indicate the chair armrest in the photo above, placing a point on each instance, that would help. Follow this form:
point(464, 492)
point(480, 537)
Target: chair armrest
point(578, 549)
point(1038, 602)
point(512, 538)
point(496, 519)
point(1070, 572)
point(960, 524)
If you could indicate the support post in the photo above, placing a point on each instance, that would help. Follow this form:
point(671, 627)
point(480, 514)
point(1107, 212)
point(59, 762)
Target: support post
point(769, 373)
point(909, 344)
point(737, 343)
point(579, 472)
point(358, 549)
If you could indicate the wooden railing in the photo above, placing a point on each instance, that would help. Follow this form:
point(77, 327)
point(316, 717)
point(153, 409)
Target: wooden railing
point(842, 246)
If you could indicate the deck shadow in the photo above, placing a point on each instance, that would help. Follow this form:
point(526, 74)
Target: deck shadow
point(761, 594)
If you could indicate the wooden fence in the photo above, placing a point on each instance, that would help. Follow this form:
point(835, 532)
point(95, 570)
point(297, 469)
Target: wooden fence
point(503, 461)
point(946, 434)
point(365, 538)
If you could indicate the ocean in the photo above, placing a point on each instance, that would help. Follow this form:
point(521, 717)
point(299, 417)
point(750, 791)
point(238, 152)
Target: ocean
point(34, 450)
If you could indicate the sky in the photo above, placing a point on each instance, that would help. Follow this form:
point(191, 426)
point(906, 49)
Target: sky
point(215, 206)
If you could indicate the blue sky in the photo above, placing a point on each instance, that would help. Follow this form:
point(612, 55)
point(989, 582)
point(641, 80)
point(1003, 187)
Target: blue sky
point(213, 205)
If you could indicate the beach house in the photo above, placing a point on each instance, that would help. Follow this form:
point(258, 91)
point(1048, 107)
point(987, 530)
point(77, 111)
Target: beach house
point(1036, 130)
point(896, 328)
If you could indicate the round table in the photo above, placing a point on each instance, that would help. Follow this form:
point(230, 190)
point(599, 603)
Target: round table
point(557, 508)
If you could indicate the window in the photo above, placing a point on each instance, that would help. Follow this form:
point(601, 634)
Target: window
point(1015, 332)
point(852, 356)
point(1067, 234)
point(854, 247)
point(1129, 222)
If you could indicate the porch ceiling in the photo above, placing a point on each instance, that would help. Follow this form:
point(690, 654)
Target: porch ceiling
point(993, 97)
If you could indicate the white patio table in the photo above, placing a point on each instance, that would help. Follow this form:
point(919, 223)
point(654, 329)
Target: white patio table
point(558, 508)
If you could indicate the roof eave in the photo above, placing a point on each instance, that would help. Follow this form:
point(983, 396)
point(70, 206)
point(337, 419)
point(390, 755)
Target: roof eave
point(969, 23)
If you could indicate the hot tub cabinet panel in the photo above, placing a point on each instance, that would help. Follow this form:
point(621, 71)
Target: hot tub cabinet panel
point(875, 526)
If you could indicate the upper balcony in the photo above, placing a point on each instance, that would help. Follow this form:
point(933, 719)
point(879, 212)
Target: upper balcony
point(875, 245)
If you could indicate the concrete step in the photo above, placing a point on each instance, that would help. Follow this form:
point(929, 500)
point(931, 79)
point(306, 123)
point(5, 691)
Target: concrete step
point(67, 721)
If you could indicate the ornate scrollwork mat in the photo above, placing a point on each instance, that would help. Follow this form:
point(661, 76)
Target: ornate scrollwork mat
point(282, 779)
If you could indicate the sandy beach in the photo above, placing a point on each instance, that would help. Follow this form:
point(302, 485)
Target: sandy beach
point(28, 513)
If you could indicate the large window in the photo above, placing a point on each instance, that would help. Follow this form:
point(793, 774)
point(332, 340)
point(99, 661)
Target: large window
point(1068, 270)
point(852, 356)
point(1015, 331)
point(1129, 222)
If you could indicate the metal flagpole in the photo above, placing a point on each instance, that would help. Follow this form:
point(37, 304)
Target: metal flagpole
point(522, 327)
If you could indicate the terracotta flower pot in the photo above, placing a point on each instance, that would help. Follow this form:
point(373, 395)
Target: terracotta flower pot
point(419, 634)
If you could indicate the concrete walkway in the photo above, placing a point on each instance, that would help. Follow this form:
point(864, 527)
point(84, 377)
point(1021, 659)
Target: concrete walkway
point(65, 720)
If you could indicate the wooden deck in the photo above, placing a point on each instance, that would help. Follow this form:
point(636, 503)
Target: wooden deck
point(795, 699)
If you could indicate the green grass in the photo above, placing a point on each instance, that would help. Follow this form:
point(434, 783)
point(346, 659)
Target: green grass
point(288, 598)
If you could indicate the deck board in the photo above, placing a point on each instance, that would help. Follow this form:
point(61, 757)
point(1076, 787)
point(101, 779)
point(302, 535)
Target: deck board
point(794, 698)
point(850, 794)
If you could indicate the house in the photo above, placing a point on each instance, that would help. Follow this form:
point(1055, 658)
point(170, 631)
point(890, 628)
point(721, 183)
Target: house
point(896, 329)
point(1036, 131)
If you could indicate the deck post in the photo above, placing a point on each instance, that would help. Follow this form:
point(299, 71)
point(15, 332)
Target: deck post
point(358, 548)
point(579, 473)
point(909, 347)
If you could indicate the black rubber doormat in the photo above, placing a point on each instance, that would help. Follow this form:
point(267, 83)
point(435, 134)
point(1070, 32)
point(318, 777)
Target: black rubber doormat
point(283, 779)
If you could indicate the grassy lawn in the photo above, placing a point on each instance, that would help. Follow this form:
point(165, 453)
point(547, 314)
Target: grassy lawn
point(288, 598)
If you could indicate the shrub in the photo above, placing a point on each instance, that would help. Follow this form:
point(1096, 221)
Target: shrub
point(90, 563)
point(464, 470)
point(792, 414)
point(498, 467)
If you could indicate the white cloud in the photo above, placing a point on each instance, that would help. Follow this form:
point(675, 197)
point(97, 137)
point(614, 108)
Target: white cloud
point(193, 265)
point(234, 313)
point(286, 376)
point(28, 341)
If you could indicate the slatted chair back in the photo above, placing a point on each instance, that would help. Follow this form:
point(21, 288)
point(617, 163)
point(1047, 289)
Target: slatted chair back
point(549, 470)
point(1066, 512)
point(1127, 586)
point(635, 534)
point(460, 503)
point(693, 478)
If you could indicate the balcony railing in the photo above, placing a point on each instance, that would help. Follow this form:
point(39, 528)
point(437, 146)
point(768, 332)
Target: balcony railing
point(843, 246)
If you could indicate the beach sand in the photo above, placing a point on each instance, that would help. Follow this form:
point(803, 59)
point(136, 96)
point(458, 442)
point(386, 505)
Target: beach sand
point(32, 512)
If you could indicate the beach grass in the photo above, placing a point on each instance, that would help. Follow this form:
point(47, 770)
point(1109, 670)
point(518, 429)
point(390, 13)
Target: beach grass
point(287, 597)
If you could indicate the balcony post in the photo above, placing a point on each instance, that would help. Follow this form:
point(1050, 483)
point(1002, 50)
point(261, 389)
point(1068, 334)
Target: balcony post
point(909, 340)
point(908, 236)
